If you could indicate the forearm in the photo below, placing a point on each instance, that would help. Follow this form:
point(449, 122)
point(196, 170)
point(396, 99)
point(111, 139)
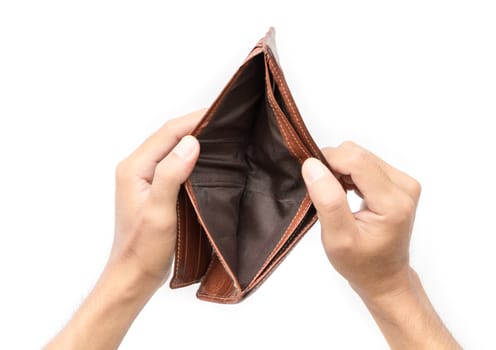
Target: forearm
point(408, 320)
point(105, 316)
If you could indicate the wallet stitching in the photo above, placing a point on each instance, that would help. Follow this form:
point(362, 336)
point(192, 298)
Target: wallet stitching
point(288, 129)
point(282, 127)
point(212, 295)
point(201, 125)
point(206, 273)
point(198, 262)
point(283, 132)
point(214, 246)
point(208, 268)
point(187, 240)
point(216, 297)
point(304, 151)
point(293, 110)
point(209, 114)
point(279, 115)
point(284, 91)
point(219, 297)
point(277, 110)
point(279, 259)
point(179, 233)
point(280, 121)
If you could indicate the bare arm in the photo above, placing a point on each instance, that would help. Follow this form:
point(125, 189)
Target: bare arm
point(408, 319)
point(147, 184)
point(370, 248)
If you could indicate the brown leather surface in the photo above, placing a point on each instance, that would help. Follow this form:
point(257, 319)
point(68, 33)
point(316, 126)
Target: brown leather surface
point(245, 205)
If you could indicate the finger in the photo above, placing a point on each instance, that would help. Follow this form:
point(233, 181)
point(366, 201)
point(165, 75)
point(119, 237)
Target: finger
point(367, 173)
point(159, 144)
point(172, 171)
point(329, 199)
point(405, 182)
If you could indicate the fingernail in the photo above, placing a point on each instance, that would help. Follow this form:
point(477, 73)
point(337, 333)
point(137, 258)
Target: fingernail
point(186, 147)
point(314, 170)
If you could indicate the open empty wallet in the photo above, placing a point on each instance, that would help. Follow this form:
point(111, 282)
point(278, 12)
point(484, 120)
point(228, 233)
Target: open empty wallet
point(245, 205)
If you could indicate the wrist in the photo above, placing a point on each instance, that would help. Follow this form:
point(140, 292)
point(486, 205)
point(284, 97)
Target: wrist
point(126, 281)
point(378, 291)
point(108, 311)
point(395, 297)
point(407, 318)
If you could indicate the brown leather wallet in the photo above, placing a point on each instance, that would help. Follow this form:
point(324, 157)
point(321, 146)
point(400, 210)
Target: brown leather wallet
point(245, 205)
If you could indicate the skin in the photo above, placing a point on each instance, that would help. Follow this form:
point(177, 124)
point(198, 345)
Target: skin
point(369, 248)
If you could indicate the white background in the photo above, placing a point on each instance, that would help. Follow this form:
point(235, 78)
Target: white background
point(83, 83)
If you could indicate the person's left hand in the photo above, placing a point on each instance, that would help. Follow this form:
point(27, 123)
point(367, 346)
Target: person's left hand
point(147, 185)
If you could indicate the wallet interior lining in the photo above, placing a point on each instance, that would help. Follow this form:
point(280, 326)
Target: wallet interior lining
point(247, 185)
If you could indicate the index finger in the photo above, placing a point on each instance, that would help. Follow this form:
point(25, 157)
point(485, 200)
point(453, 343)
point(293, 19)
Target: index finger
point(402, 180)
point(160, 143)
point(368, 174)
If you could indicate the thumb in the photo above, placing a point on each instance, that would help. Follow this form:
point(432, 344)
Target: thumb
point(173, 170)
point(328, 197)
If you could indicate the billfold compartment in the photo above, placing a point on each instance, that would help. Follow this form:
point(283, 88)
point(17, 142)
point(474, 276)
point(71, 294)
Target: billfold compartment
point(245, 204)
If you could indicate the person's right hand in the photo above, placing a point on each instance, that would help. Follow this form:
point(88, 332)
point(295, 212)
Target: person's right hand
point(370, 248)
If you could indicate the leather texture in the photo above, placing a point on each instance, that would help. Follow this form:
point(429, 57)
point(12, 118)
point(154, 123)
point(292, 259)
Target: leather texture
point(245, 205)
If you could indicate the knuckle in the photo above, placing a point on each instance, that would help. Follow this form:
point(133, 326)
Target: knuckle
point(416, 188)
point(404, 208)
point(122, 170)
point(326, 151)
point(171, 125)
point(357, 156)
point(348, 145)
point(168, 128)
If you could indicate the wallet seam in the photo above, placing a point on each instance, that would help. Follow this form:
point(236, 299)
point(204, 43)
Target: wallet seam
point(214, 296)
point(280, 116)
point(305, 205)
point(179, 234)
point(209, 114)
point(208, 270)
point(280, 258)
point(198, 261)
point(209, 236)
point(284, 133)
point(295, 115)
